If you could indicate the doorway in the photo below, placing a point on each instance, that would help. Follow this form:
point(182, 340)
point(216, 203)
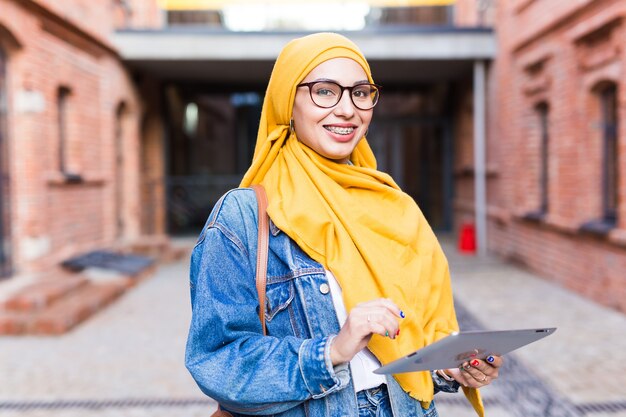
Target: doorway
point(211, 136)
point(417, 153)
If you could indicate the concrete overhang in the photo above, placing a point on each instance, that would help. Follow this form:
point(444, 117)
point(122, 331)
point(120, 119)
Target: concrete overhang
point(396, 56)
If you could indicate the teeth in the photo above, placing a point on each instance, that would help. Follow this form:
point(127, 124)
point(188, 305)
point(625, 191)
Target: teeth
point(340, 130)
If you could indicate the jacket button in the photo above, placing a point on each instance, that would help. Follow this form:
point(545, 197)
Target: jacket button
point(324, 289)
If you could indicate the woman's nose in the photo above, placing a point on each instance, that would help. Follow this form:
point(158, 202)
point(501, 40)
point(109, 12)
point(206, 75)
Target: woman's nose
point(345, 107)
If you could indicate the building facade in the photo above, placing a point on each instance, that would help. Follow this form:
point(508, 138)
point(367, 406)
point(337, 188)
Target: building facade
point(108, 136)
point(74, 133)
point(556, 154)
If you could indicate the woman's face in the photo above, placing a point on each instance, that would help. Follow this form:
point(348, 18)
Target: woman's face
point(333, 132)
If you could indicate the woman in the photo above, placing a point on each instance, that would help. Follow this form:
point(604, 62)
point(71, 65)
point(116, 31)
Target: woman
point(355, 277)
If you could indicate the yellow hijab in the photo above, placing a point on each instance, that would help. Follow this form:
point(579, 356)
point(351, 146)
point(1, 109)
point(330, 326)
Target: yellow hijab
point(353, 219)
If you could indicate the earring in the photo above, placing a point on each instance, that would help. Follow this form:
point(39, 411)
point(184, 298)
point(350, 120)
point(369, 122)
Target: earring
point(291, 130)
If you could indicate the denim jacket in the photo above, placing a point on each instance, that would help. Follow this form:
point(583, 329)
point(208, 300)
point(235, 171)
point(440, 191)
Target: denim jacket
point(287, 373)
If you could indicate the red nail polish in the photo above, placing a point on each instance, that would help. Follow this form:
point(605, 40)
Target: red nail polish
point(475, 362)
point(398, 332)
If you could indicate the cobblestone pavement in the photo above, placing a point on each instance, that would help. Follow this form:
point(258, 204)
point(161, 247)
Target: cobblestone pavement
point(128, 360)
point(578, 371)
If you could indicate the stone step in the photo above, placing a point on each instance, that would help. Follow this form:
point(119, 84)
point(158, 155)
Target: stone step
point(43, 293)
point(74, 308)
point(63, 313)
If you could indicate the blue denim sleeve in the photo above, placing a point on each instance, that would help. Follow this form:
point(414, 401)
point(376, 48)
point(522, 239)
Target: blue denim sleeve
point(227, 354)
point(441, 385)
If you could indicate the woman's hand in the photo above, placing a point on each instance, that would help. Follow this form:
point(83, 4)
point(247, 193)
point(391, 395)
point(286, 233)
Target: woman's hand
point(477, 373)
point(378, 316)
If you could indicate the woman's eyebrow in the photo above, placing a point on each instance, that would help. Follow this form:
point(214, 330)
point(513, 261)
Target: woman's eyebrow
point(337, 82)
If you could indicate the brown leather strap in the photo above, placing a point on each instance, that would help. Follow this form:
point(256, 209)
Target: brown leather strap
point(261, 264)
point(262, 250)
point(221, 413)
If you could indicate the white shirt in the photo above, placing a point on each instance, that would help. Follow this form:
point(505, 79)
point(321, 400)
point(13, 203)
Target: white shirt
point(364, 363)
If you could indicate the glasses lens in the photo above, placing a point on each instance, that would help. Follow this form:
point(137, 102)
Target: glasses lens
point(325, 94)
point(365, 96)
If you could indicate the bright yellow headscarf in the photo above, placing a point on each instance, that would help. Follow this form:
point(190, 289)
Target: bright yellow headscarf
point(353, 219)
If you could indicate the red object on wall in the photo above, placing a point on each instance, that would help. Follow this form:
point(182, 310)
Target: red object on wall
point(467, 239)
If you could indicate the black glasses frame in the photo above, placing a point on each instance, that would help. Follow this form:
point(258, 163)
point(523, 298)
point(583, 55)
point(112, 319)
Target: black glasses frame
point(343, 88)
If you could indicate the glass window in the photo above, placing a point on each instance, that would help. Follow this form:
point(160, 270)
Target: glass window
point(62, 109)
point(608, 106)
point(544, 137)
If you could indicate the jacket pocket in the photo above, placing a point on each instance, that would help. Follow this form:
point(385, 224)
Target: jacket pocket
point(278, 298)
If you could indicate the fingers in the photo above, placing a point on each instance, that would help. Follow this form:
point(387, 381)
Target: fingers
point(495, 361)
point(385, 303)
point(477, 373)
point(382, 322)
point(381, 317)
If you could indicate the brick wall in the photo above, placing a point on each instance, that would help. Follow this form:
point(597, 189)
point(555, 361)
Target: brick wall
point(557, 53)
point(53, 218)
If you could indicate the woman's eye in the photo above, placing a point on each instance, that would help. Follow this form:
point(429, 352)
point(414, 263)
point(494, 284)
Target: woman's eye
point(325, 92)
point(360, 93)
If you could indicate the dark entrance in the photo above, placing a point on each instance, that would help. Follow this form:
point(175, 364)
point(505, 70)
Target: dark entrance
point(211, 142)
point(412, 139)
point(212, 137)
point(5, 259)
point(417, 154)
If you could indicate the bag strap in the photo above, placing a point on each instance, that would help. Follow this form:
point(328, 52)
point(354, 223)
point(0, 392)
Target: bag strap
point(262, 250)
point(261, 264)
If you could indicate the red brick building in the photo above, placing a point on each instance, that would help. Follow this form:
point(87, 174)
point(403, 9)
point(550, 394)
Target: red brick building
point(556, 153)
point(74, 132)
point(114, 128)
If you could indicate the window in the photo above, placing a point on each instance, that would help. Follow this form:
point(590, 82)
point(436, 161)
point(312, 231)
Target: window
point(608, 122)
point(211, 18)
point(541, 124)
point(606, 94)
point(544, 137)
point(63, 108)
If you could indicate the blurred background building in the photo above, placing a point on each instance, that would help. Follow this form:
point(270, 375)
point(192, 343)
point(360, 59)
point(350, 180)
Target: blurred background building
point(123, 121)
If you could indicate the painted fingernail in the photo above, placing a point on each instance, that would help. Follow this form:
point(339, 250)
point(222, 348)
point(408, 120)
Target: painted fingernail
point(387, 334)
point(475, 362)
point(467, 366)
point(398, 332)
point(402, 314)
point(490, 359)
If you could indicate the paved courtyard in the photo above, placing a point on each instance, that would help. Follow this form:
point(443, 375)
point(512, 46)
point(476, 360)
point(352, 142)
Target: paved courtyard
point(128, 360)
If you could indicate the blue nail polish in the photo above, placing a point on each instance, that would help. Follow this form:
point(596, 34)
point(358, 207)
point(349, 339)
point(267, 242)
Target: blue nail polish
point(490, 359)
point(402, 314)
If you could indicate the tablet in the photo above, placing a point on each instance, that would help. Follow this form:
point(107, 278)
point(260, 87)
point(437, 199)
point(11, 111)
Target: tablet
point(452, 351)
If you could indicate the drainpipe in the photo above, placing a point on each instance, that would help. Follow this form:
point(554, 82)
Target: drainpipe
point(480, 183)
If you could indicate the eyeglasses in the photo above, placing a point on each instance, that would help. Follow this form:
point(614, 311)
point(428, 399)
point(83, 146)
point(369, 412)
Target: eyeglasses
point(326, 94)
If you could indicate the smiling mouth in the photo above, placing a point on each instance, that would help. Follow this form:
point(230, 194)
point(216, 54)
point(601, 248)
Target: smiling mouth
point(340, 130)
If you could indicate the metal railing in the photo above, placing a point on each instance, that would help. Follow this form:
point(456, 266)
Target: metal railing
point(190, 199)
